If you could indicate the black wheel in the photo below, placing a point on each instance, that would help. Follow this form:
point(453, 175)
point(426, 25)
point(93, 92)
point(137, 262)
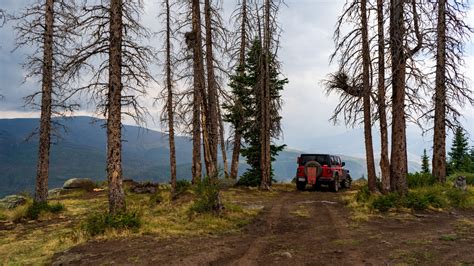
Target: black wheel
point(335, 184)
point(300, 185)
point(347, 182)
point(317, 186)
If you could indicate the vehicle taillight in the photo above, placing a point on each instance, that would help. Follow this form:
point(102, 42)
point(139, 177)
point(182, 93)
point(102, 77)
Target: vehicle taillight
point(300, 171)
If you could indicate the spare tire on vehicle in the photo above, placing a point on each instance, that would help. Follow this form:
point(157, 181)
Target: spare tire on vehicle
point(313, 164)
point(312, 171)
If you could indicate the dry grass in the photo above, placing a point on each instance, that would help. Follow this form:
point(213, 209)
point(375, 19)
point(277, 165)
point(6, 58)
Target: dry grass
point(35, 242)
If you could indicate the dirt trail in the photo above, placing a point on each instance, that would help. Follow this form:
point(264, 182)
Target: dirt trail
point(297, 228)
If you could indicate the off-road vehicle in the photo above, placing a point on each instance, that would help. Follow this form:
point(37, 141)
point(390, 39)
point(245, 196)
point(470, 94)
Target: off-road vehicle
point(322, 169)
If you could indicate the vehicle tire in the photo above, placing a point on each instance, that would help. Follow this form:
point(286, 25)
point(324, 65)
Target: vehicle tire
point(300, 185)
point(335, 184)
point(348, 182)
point(317, 186)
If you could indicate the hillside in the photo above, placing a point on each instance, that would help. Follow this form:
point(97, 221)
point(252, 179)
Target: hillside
point(80, 152)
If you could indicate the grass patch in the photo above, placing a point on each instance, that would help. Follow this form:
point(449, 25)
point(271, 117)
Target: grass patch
point(34, 210)
point(99, 223)
point(36, 242)
point(208, 198)
point(448, 238)
point(420, 198)
point(301, 211)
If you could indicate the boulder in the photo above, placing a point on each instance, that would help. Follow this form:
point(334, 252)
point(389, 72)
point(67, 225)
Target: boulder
point(80, 183)
point(56, 192)
point(12, 201)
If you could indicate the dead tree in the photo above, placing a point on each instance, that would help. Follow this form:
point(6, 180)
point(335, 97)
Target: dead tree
point(111, 53)
point(451, 89)
point(264, 87)
point(48, 26)
point(399, 54)
point(354, 51)
point(381, 99)
point(212, 99)
point(168, 110)
point(242, 18)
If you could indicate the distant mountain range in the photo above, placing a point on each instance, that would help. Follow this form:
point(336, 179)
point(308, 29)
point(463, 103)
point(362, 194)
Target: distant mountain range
point(80, 150)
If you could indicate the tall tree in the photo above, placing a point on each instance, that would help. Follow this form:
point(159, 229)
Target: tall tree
point(169, 106)
point(425, 163)
point(243, 36)
point(369, 150)
point(48, 27)
point(194, 40)
point(112, 53)
point(381, 99)
point(459, 151)
point(212, 99)
point(245, 88)
point(451, 88)
point(399, 55)
point(354, 51)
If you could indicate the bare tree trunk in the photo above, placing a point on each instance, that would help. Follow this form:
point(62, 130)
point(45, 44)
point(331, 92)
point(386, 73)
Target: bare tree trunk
point(200, 99)
point(169, 86)
point(398, 166)
point(265, 158)
point(212, 119)
point(234, 168)
point(114, 123)
point(222, 140)
point(41, 191)
point(381, 104)
point(439, 136)
point(369, 151)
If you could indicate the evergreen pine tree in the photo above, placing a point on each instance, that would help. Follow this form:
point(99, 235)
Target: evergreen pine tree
point(459, 154)
point(425, 163)
point(244, 116)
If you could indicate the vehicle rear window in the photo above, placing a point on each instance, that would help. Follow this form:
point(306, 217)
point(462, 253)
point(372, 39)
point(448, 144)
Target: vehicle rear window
point(321, 159)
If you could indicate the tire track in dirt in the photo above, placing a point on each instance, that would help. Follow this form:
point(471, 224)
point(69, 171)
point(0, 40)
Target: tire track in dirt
point(251, 255)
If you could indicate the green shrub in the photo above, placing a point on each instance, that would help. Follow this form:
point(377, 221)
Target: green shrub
point(249, 179)
point(422, 199)
point(415, 180)
point(98, 223)
point(383, 203)
point(458, 198)
point(363, 195)
point(182, 186)
point(208, 200)
point(35, 209)
point(469, 177)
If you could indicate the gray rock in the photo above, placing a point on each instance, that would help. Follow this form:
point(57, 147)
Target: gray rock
point(12, 201)
point(80, 183)
point(56, 192)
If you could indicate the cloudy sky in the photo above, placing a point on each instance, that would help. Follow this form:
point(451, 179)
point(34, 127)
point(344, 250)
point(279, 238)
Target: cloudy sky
point(306, 43)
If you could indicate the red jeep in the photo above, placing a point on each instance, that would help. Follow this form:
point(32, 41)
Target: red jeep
point(322, 169)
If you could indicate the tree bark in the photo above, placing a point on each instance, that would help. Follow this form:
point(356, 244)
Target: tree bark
point(399, 164)
point(169, 86)
point(381, 101)
point(234, 168)
point(114, 123)
point(369, 151)
point(198, 86)
point(265, 160)
point(41, 190)
point(212, 119)
point(439, 135)
point(222, 140)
